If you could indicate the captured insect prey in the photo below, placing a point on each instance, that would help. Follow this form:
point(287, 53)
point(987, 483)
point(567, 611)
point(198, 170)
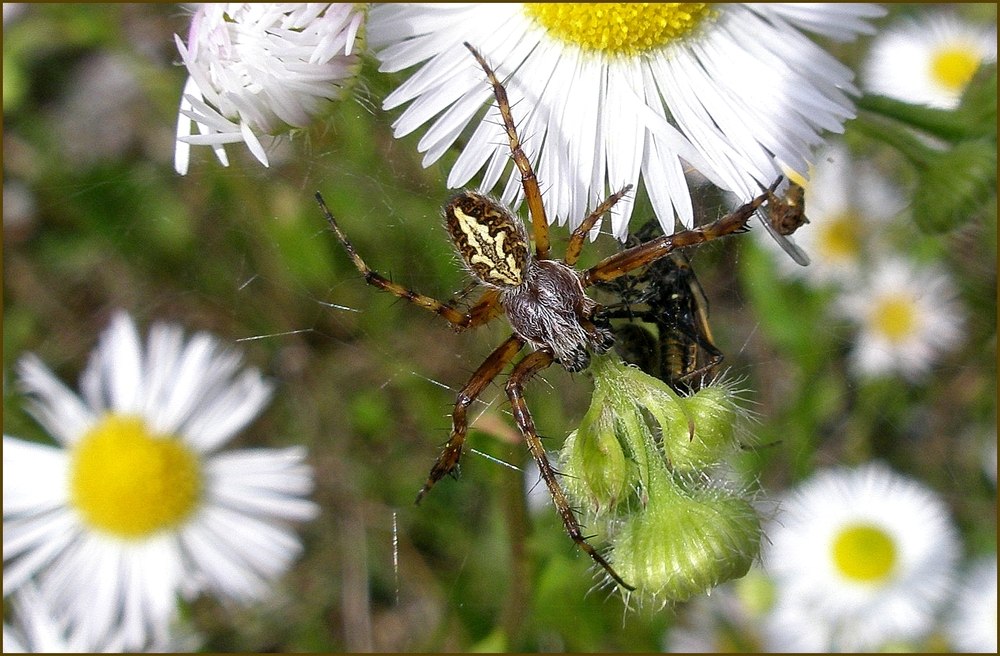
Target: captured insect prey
point(668, 298)
point(787, 213)
point(542, 297)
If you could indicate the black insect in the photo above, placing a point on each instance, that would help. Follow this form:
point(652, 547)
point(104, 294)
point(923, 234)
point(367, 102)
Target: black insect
point(667, 297)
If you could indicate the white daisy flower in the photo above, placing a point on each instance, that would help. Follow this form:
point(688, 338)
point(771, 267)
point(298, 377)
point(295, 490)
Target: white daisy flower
point(859, 558)
point(604, 94)
point(972, 624)
point(254, 68)
point(930, 60)
point(847, 202)
point(137, 505)
point(908, 316)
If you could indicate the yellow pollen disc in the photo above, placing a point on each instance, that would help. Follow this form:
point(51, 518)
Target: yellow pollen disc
point(895, 317)
point(864, 553)
point(953, 67)
point(798, 178)
point(129, 482)
point(619, 28)
point(838, 237)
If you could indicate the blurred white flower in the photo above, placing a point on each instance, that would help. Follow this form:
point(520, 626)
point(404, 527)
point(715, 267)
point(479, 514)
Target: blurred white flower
point(930, 60)
point(972, 624)
point(136, 505)
point(35, 630)
point(907, 316)
point(848, 203)
point(256, 67)
point(726, 621)
point(605, 93)
point(860, 558)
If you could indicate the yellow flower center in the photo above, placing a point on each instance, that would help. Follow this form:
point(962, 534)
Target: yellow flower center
point(838, 237)
point(130, 482)
point(895, 317)
point(619, 28)
point(864, 553)
point(800, 179)
point(953, 67)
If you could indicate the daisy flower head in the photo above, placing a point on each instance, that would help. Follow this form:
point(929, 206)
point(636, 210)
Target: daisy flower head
point(907, 316)
point(847, 201)
point(256, 68)
point(136, 504)
point(971, 625)
point(606, 94)
point(860, 558)
point(930, 60)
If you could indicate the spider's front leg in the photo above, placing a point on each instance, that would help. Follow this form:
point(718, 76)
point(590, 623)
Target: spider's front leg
point(628, 260)
point(447, 462)
point(483, 311)
point(532, 193)
point(521, 374)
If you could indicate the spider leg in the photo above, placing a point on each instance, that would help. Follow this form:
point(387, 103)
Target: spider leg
point(447, 462)
point(521, 374)
point(477, 315)
point(575, 244)
point(532, 194)
point(624, 261)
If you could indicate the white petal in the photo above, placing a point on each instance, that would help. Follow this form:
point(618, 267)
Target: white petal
point(59, 410)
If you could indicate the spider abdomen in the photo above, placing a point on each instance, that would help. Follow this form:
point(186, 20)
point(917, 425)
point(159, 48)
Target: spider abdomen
point(550, 311)
point(488, 237)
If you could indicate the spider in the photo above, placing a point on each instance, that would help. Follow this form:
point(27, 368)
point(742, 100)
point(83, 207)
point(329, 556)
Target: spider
point(543, 299)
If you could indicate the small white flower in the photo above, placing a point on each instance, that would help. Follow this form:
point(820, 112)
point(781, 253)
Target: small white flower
point(908, 316)
point(972, 624)
point(136, 505)
point(930, 60)
point(847, 202)
point(860, 558)
point(606, 93)
point(255, 67)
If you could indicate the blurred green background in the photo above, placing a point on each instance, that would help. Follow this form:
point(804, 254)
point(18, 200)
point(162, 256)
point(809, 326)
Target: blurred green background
point(95, 218)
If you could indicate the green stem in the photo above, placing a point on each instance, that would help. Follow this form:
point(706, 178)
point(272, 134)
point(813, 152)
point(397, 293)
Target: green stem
point(939, 122)
point(876, 127)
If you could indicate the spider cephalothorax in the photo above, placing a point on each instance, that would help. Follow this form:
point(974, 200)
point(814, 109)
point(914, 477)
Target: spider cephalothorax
point(542, 298)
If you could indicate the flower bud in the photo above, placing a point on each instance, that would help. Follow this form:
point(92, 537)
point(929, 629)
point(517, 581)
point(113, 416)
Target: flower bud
point(595, 469)
point(686, 540)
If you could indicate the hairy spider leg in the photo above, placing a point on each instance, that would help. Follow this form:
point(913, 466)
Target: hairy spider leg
point(447, 462)
point(519, 377)
point(575, 245)
point(622, 262)
point(483, 311)
point(532, 194)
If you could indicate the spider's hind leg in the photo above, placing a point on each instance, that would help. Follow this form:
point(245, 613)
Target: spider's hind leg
point(447, 462)
point(521, 374)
